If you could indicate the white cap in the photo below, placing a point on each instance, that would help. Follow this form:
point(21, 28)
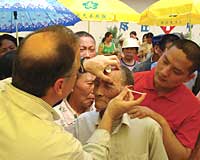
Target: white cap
point(130, 43)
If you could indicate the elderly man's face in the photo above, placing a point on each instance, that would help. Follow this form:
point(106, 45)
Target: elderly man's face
point(105, 91)
point(83, 90)
point(87, 47)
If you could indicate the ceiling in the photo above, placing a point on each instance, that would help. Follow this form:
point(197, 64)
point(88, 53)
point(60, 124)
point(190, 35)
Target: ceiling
point(139, 5)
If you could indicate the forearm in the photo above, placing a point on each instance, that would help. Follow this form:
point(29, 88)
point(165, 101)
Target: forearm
point(174, 149)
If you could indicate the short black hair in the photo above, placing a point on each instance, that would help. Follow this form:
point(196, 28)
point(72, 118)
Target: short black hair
point(167, 38)
point(127, 76)
point(191, 50)
point(133, 32)
point(84, 34)
point(8, 37)
point(107, 34)
point(149, 35)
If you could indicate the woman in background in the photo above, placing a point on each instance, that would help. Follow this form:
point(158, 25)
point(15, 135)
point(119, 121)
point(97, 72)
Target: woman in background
point(107, 47)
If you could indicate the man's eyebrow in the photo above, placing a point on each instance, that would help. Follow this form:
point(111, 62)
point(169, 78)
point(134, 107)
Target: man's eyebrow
point(178, 69)
point(165, 57)
point(109, 83)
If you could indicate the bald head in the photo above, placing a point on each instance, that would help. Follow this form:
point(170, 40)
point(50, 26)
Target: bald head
point(40, 46)
point(43, 57)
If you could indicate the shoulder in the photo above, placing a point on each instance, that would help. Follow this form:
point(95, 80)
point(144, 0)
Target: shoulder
point(186, 95)
point(143, 66)
point(101, 44)
point(140, 75)
point(87, 119)
point(88, 115)
point(147, 125)
point(4, 83)
point(146, 122)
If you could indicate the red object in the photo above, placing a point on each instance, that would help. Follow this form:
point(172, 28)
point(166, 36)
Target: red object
point(167, 29)
point(180, 107)
point(136, 58)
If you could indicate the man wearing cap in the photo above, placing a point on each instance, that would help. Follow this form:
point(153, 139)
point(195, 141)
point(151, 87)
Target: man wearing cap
point(130, 50)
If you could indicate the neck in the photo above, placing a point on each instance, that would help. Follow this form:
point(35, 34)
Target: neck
point(107, 42)
point(129, 61)
point(50, 98)
point(101, 113)
point(116, 122)
point(162, 91)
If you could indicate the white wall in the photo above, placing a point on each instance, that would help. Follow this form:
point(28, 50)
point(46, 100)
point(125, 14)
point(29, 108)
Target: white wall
point(98, 29)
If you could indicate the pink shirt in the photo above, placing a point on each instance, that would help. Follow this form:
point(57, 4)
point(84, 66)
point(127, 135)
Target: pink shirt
point(180, 107)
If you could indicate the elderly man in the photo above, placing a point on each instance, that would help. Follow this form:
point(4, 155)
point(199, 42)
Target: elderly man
point(45, 71)
point(87, 44)
point(131, 138)
point(71, 107)
point(169, 102)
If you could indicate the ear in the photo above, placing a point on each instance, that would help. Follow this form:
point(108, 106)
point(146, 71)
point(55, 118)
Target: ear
point(191, 76)
point(58, 86)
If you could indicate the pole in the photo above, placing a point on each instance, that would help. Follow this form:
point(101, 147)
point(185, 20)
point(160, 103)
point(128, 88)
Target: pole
point(88, 26)
point(16, 25)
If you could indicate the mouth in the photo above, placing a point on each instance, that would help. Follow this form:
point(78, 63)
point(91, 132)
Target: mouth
point(129, 54)
point(162, 79)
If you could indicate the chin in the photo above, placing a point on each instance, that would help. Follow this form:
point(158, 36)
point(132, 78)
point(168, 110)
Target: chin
point(100, 106)
point(87, 104)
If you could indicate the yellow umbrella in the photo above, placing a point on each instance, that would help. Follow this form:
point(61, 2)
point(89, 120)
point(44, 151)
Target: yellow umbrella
point(171, 13)
point(101, 10)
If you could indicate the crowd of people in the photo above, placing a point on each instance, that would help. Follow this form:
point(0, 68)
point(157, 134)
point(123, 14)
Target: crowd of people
point(64, 98)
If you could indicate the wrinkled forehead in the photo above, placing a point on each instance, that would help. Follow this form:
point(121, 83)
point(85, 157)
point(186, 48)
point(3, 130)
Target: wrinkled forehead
point(85, 40)
point(7, 43)
point(115, 76)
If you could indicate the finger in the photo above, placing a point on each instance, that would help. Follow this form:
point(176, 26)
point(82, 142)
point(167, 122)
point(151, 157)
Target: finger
point(123, 93)
point(127, 98)
point(142, 116)
point(137, 114)
point(113, 57)
point(132, 111)
point(104, 77)
point(131, 96)
point(113, 63)
point(137, 101)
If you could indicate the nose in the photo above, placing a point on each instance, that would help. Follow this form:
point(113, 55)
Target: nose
point(91, 90)
point(166, 71)
point(87, 54)
point(98, 91)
